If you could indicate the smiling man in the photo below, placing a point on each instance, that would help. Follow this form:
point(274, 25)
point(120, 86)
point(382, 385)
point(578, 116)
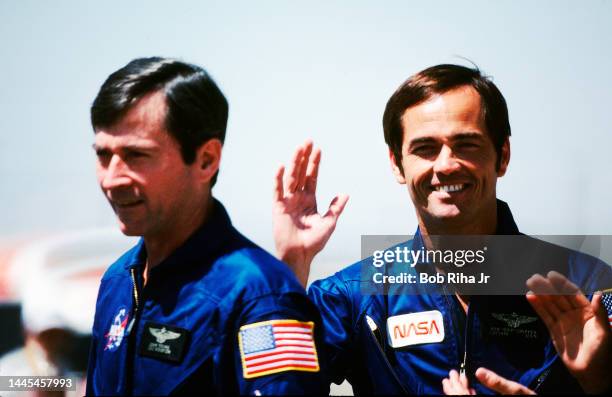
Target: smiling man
point(194, 307)
point(448, 161)
point(448, 132)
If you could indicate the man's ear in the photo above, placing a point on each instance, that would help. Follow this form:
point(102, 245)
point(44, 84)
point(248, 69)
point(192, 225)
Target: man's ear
point(208, 159)
point(397, 171)
point(505, 158)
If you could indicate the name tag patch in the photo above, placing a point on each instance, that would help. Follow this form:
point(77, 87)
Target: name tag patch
point(164, 342)
point(415, 329)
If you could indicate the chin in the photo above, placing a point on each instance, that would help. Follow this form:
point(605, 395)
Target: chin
point(444, 212)
point(129, 230)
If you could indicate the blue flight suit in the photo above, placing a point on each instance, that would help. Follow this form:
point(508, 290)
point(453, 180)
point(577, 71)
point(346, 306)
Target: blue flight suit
point(499, 332)
point(180, 333)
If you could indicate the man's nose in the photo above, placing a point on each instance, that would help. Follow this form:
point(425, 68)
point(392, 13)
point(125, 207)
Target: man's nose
point(115, 174)
point(446, 162)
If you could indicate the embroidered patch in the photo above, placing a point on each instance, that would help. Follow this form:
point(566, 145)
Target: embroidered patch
point(164, 342)
point(513, 320)
point(269, 347)
point(513, 324)
point(117, 330)
point(415, 328)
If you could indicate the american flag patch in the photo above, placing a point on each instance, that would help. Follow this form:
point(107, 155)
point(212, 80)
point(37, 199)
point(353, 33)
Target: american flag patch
point(275, 346)
point(606, 299)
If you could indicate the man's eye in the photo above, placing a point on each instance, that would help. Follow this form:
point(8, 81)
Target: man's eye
point(103, 155)
point(134, 155)
point(468, 145)
point(424, 150)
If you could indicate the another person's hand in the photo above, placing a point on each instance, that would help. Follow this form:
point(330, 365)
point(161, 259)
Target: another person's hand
point(579, 329)
point(457, 384)
point(300, 232)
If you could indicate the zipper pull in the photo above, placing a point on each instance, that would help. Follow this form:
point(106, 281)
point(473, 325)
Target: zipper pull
point(462, 367)
point(136, 301)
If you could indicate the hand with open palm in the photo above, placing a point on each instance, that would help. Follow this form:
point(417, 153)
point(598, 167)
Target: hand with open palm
point(579, 329)
point(300, 232)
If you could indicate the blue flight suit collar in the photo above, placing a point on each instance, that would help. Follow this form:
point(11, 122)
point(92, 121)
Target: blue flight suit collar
point(505, 226)
point(204, 243)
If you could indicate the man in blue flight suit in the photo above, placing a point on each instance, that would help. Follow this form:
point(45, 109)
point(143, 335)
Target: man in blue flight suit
point(194, 307)
point(448, 131)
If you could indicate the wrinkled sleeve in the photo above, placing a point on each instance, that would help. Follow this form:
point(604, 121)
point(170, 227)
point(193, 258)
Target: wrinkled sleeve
point(332, 298)
point(278, 341)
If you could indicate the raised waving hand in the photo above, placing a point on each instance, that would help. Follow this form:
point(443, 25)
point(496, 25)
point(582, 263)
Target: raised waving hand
point(300, 232)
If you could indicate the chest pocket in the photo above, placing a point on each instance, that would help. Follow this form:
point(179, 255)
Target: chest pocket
point(512, 338)
point(175, 343)
point(514, 332)
point(423, 347)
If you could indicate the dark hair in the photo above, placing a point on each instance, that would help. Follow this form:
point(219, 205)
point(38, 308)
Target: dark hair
point(438, 80)
point(196, 109)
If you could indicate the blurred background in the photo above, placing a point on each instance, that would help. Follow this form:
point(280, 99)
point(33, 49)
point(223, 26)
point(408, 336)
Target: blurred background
point(291, 71)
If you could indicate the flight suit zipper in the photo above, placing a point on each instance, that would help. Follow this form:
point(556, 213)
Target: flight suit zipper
point(131, 348)
point(136, 301)
point(466, 334)
point(463, 363)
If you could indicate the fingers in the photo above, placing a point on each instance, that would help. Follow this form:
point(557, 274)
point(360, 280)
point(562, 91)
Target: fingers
point(599, 309)
point(296, 178)
point(336, 207)
point(454, 376)
point(537, 303)
point(554, 303)
point(572, 293)
point(294, 171)
point(540, 285)
point(304, 165)
point(446, 387)
point(540, 298)
point(562, 284)
point(499, 384)
point(463, 380)
point(456, 384)
point(313, 172)
point(279, 190)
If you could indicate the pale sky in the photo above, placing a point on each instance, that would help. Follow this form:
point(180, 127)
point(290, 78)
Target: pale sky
point(320, 70)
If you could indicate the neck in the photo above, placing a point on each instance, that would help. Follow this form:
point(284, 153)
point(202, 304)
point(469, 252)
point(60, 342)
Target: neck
point(161, 245)
point(484, 223)
point(433, 232)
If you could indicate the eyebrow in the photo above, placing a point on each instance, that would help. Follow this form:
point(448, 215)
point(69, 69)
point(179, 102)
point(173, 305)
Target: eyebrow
point(467, 135)
point(457, 137)
point(139, 148)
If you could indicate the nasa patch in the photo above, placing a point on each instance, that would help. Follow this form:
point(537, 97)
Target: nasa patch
point(115, 334)
point(415, 328)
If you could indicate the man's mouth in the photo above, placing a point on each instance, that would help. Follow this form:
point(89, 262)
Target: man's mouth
point(127, 203)
point(450, 188)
